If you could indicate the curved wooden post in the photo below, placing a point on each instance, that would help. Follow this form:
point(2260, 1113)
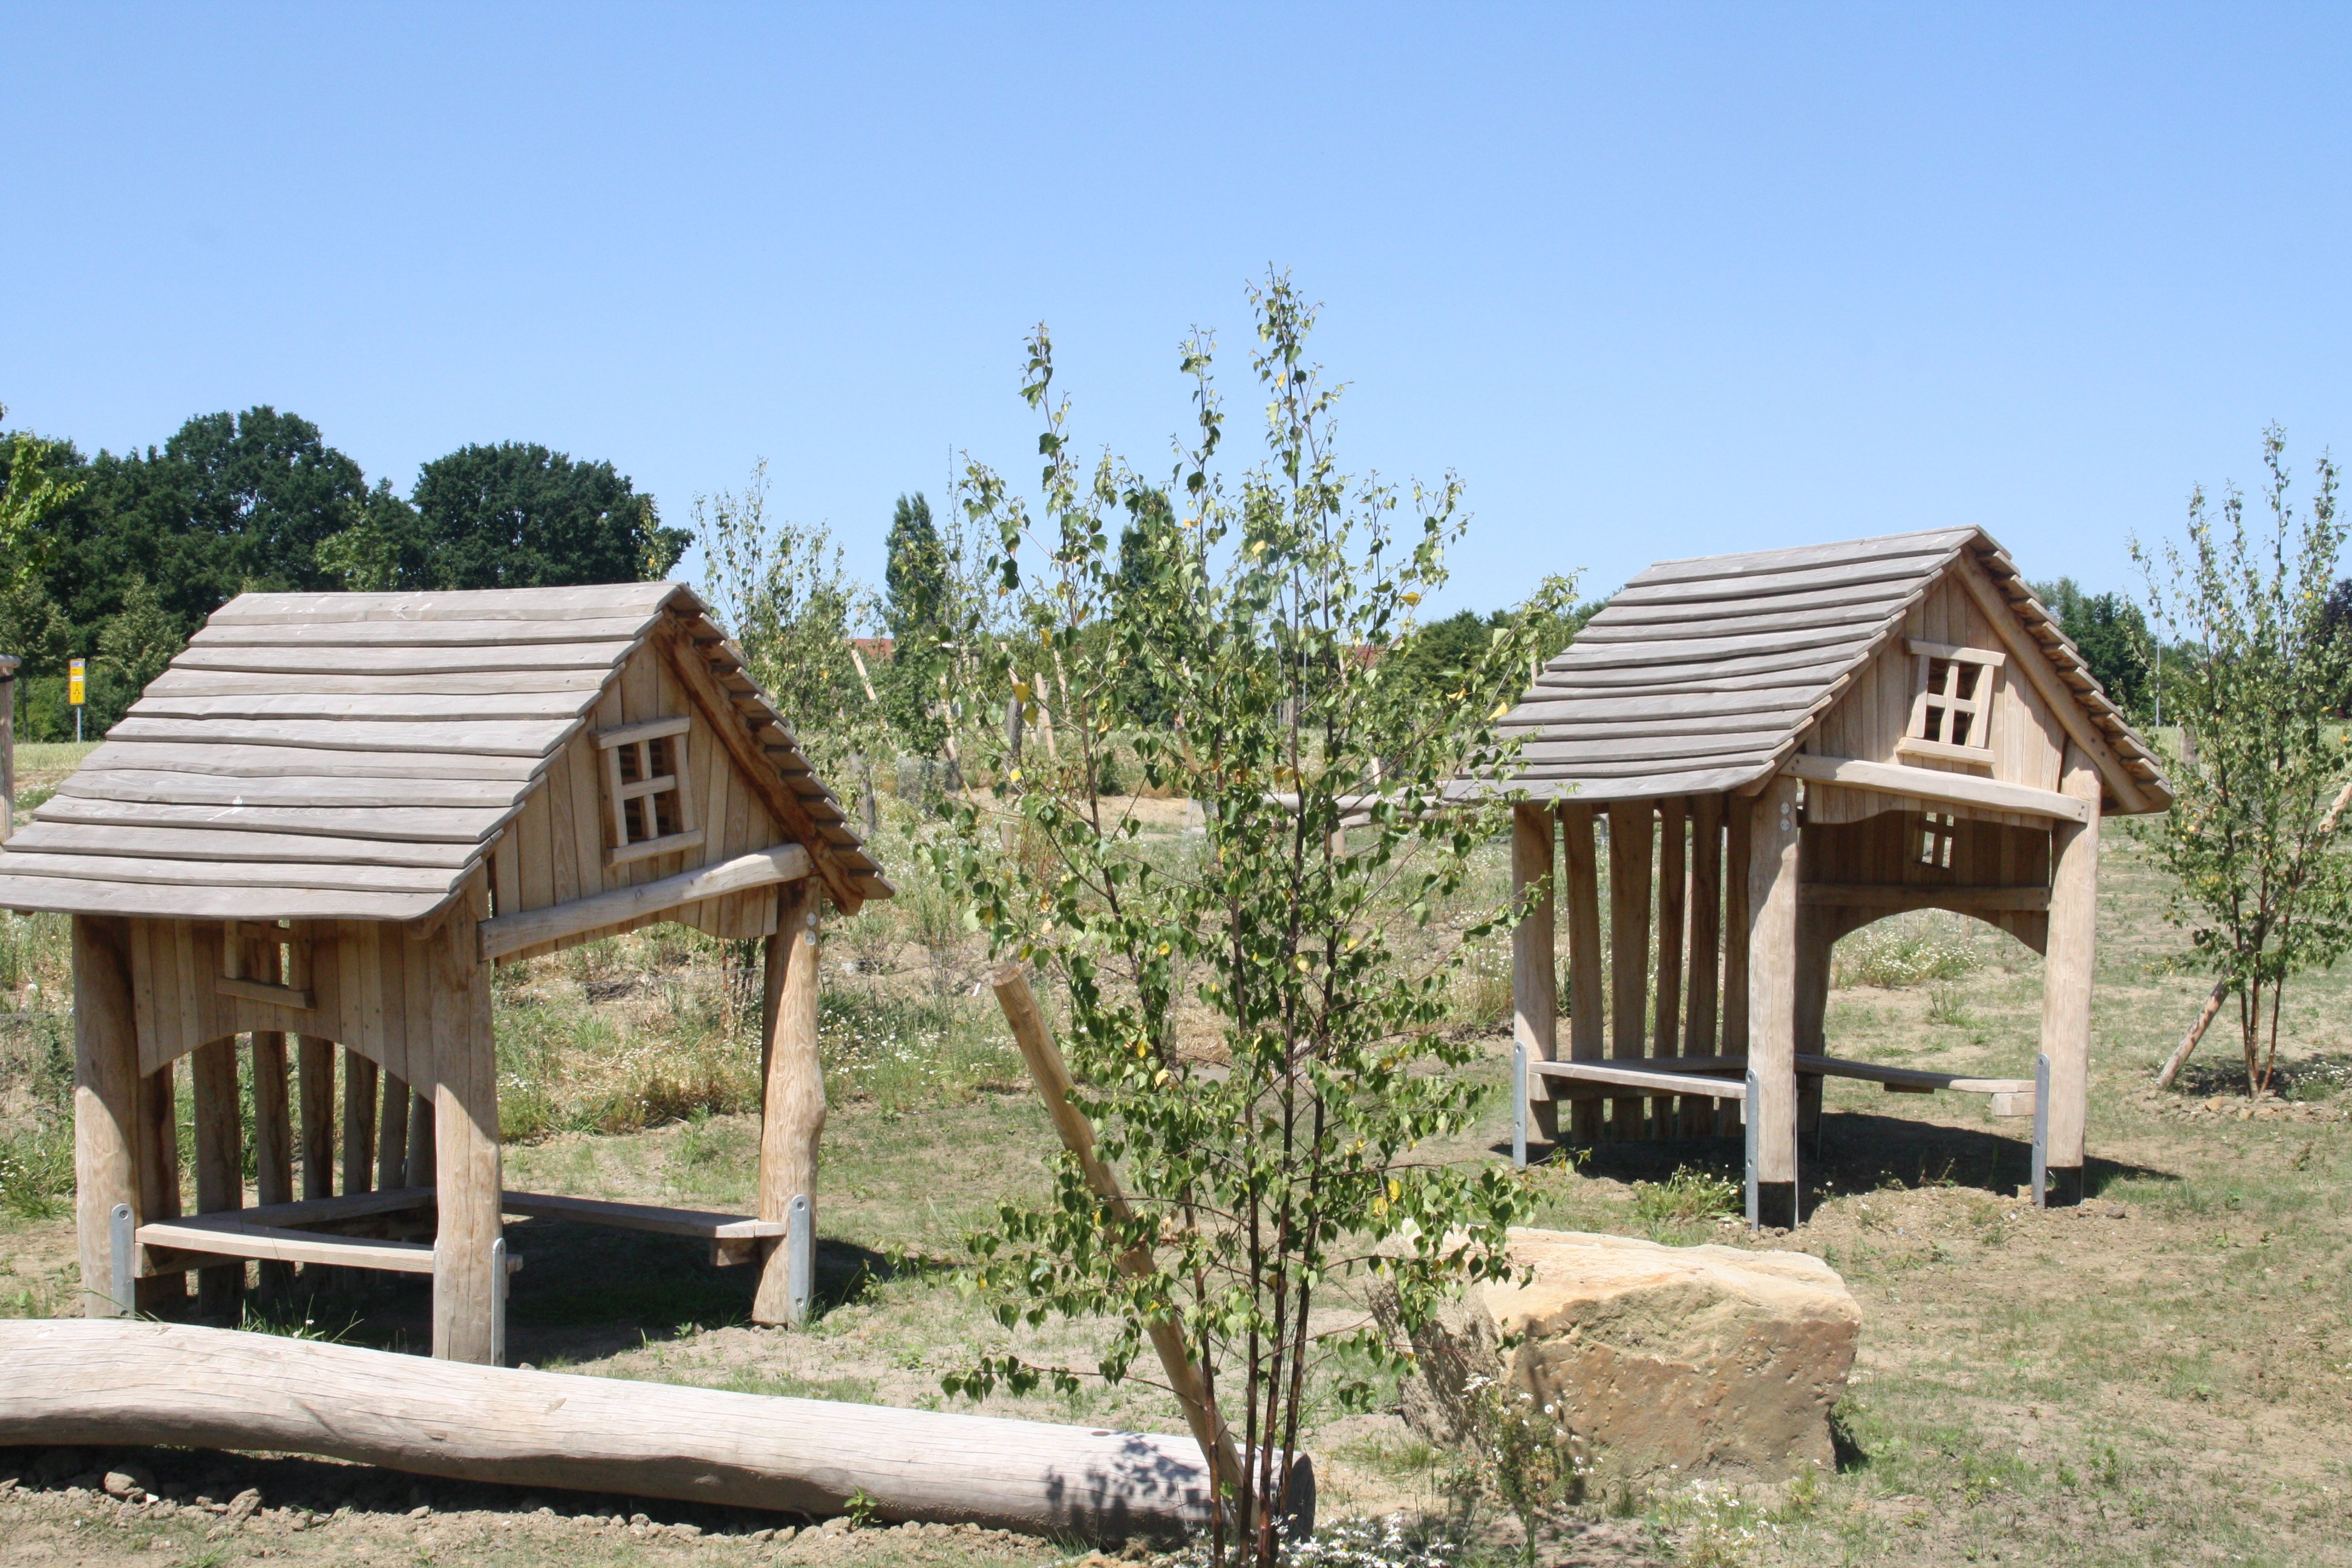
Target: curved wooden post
point(792, 1092)
point(468, 1276)
point(1534, 983)
point(1772, 996)
point(106, 1103)
point(2067, 973)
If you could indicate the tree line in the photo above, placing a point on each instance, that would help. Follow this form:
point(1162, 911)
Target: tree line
point(118, 558)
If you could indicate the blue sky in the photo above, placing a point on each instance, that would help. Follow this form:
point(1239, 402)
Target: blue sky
point(1656, 281)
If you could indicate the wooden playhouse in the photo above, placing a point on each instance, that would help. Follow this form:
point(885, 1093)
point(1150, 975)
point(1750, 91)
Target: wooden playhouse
point(1783, 747)
point(323, 825)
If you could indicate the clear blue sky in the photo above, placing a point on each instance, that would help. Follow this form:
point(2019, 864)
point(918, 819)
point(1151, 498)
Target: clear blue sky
point(1655, 281)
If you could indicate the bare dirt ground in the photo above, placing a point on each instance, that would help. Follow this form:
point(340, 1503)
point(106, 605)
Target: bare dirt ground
point(2163, 1375)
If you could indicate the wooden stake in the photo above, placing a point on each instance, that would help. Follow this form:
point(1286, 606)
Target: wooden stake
point(359, 1122)
point(220, 1165)
point(392, 1134)
point(1673, 905)
point(1706, 949)
point(105, 1108)
point(1586, 1012)
point(1052, 1076)
point(792, 1090)
point(159, 1180)
point(1739, 833)
point(1630, 829)
point(2067, 969)
point(273, 1150)
point(2179, 1057)
point(1535, 985)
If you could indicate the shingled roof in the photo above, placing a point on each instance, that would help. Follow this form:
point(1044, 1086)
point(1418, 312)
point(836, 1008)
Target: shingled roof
point(355, 756)
point(1704, 674)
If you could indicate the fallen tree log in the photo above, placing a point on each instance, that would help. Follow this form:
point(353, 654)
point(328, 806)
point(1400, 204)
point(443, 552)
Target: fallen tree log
point(120, 1382)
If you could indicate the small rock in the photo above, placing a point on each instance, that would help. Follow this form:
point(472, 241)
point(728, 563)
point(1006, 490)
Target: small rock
point(685, 1530)
point(128, 1484)
point(912, 1527)
point(419, 1512)
point(839, 1525)
point(241, 1507)
point(639, 1521)
point(763, 1535)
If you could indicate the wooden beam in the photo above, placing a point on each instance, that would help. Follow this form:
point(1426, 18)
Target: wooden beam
point(510, 933)
point(1918, 1078)
point(1665, 1083)
point(1586, 1011)
point(273, 1146)
point(1926, 784)
point(172, 1237)
point(2070, 962)
point(134, 1385)
point(1534, 983)
point(1898, 896)
point(791, 1090)
point(2064, 704)
point(650, 1217)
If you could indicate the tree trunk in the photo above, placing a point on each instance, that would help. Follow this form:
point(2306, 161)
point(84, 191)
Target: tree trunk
point(126, 1383)
point(2205, 1016)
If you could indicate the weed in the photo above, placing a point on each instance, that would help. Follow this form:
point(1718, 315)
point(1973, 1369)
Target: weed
point(1686, 1196)
point(1906, 950)
point(1521, 1455)
point(863, 1511)
point(1720, 1528)
point(1947, 1004)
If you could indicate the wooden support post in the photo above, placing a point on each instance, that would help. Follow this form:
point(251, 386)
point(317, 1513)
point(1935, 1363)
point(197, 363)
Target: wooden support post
point(1534, 983)
point(359, 1122)
point(1051, 1073)
point(1672, 907)
point(1739, 833)
point(8, 745)
point(1772, 997)
point(106, 1103)
point(2066, 975)
point(791, 1092)
point(1629, 949)
point(1706, 950)
point(392, 1134)
point(220, 1164)
point(1817, 936)
point(468, 1274)
point(273, 1149)
point(159, 1180)
point(314, 1067)
point(420, 1162)
point(1585, 1010)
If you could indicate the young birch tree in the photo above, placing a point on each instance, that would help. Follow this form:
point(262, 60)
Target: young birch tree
point(2255, 838)
point(1253, 1015)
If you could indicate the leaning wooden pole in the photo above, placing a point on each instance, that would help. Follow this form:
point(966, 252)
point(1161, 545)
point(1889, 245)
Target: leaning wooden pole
point(1052, 1076)
point(791, 1103)
point(129, 1382)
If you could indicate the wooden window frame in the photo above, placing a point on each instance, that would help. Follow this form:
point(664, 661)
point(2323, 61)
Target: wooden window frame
point(648, 787)
point(1928, 701)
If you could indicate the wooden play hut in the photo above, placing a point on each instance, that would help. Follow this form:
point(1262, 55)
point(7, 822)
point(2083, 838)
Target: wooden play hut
point(323, 826)
point(1784, 747)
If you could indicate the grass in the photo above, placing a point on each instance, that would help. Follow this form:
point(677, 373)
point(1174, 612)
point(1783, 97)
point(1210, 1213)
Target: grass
point(2165, 1375)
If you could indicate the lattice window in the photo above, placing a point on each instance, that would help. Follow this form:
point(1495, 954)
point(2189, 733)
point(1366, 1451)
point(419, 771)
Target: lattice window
point(648, 790)
point(1935, 840)
point(1951, 701)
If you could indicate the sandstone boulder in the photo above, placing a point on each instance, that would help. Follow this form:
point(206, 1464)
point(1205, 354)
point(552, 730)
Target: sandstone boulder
point(1694, 1360)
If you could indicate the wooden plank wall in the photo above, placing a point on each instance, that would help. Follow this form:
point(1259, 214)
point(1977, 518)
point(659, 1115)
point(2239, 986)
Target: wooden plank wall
point(1670, 903)
point(553, 852)
point(2029, 743)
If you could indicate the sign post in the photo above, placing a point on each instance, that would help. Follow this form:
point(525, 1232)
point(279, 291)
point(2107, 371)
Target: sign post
point(76, 688)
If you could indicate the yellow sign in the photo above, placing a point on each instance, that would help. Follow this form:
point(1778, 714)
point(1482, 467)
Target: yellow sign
point(74, 683)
